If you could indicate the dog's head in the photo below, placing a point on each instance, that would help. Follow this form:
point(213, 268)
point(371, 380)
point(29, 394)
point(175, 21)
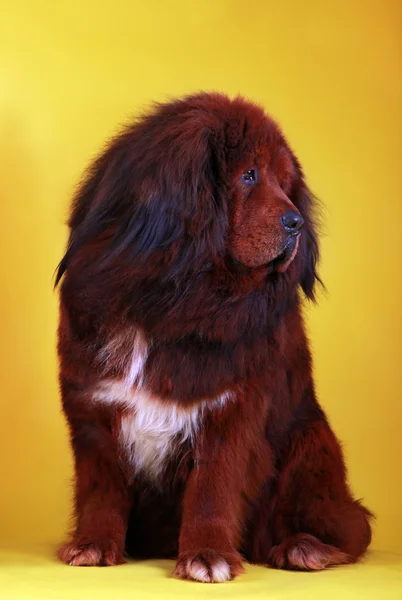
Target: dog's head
point(269, 205)
point(200, 185)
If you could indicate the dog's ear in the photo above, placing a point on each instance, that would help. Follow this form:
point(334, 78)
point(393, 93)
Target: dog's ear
point(156, 184)
point(94, 209)
point(309, 251)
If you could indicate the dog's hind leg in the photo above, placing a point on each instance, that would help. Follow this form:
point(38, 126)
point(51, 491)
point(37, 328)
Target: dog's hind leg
point(312, 521)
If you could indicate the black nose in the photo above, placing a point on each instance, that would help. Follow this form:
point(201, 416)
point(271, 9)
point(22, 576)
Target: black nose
point(292, 221)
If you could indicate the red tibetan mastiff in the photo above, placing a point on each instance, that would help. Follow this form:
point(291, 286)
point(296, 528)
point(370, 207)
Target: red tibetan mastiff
point(185, 369)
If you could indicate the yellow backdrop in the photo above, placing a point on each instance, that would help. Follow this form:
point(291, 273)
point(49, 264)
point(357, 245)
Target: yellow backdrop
point(72, 72)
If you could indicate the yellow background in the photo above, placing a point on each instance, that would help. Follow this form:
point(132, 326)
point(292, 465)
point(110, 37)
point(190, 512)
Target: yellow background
point(72, 72)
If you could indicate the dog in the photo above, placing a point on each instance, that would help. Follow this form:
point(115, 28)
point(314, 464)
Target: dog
point(185, 370)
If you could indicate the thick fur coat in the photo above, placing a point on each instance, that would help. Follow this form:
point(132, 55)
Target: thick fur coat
point(185, 370)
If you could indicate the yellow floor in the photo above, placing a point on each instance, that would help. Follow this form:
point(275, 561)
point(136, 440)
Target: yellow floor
point(35, 574)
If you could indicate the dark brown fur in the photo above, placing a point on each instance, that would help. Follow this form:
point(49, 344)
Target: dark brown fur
point(168, 237)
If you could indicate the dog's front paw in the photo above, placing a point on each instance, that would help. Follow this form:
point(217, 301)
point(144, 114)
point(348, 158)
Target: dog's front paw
point(209, 566)
point(91, 554)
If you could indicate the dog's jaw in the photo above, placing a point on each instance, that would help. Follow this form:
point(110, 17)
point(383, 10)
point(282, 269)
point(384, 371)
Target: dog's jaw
point(279, 264)
point(283, 267)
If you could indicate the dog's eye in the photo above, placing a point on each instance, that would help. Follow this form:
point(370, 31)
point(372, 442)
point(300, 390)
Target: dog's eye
point(250, 177)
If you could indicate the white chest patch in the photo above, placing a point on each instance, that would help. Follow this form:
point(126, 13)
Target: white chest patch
point(128, 351)
point(154, 431)
point(151, 430)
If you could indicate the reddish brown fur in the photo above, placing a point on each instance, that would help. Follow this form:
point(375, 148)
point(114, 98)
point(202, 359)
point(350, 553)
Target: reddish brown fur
point(154, 229)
